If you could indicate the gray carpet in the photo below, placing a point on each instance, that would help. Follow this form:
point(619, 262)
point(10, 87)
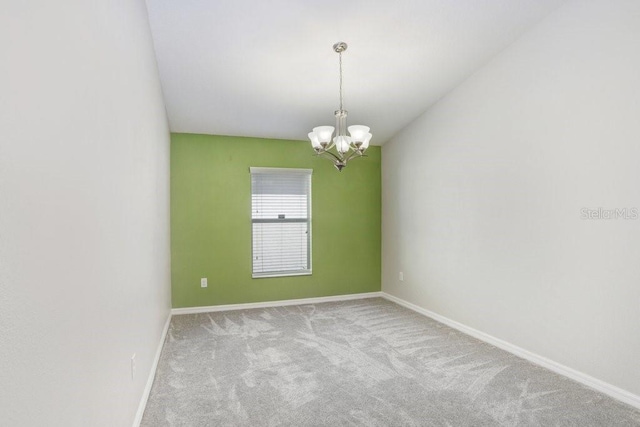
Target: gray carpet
point(365, 362)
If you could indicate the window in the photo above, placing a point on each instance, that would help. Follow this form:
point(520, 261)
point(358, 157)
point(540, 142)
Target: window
point(281, 221)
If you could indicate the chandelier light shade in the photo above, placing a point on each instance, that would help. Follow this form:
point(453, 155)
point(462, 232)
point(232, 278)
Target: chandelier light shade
point(342, 147)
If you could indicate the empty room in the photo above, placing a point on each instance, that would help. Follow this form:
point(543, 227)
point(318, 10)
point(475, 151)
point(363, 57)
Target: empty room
point(320, 213)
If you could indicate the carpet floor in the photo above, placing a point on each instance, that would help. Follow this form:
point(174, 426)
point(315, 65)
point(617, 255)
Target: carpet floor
point(366, 362)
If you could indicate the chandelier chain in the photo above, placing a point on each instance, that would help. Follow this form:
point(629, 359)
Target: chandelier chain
point(340, 60)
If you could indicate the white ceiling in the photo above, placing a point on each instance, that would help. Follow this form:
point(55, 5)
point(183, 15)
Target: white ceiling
point(267, 68)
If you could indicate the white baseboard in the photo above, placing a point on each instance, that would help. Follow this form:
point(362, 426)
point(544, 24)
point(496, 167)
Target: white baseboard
point(316, 300)
point(599, 385)
point(152, 375)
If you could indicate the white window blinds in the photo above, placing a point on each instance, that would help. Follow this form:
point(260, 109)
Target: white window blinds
point(281, 221)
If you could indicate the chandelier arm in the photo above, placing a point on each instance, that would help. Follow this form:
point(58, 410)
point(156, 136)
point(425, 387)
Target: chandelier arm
point(353, 155)
point(333, 156)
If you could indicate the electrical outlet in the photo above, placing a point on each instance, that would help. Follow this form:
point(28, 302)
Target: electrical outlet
point(133, 366)
point(203, 282)
point(401, 276)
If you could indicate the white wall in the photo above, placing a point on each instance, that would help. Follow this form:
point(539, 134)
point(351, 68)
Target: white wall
point(482, 195)
point(84, 214)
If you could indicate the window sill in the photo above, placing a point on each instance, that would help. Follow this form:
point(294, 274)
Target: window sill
point(268, 275)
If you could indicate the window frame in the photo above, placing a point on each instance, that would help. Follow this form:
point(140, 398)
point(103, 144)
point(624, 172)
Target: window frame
point(283, 171)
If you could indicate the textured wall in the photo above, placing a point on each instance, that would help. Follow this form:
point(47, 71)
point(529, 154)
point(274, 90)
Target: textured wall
point(483, 195)
point(211, 221)
point(84, 212)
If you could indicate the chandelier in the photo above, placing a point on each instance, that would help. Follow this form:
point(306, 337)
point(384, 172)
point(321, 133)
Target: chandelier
point(346, 147)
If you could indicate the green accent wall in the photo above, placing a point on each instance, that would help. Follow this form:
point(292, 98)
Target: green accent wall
point(211, 221)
